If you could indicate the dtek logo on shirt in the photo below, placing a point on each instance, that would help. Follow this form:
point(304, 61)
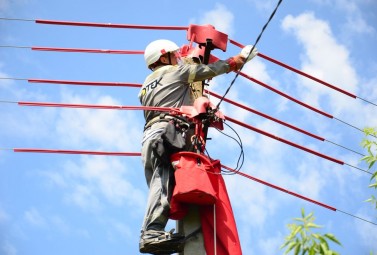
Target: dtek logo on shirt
point(150, 86)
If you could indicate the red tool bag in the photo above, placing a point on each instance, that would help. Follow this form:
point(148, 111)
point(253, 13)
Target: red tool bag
point(196, 183)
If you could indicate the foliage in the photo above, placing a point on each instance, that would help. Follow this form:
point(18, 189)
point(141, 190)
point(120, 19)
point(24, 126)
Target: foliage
point(371, 145)
point(303, 241)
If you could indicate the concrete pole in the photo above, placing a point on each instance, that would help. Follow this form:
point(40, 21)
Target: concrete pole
point(191, 222)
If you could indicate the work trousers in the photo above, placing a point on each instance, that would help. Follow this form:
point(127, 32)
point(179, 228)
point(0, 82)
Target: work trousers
point(159, 175)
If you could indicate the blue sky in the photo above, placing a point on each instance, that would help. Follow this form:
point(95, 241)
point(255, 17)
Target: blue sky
point(77, 204)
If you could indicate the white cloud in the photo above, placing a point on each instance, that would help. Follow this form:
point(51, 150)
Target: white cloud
point(84, 197)
point(8, 248)
point(124, 230)
point(6, 5)
point(323, 58)
point(94, 180)
point(98, 128)
point(34, 218)
point(53, 223)
point(257, 69)
point(253, 199)
point(367, 231)
point(220, 17)
point(270, 245)
point(355, 22)
point(59, 224)
point(266, 5)
point(4, 217)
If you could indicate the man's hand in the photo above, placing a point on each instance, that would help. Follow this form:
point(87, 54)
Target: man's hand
point(245, 52)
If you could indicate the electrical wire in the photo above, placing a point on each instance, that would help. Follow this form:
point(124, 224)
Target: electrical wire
point(210, 93)
point(254, 45)
point(15, 19)
point(241, 157)
point(240, 142)
point(82, 50)
point(279, 121)
point(176, 111)
point(296, 194)
point(103, 153)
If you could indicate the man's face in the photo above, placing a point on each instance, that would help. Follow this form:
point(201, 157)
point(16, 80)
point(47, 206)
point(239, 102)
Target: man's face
point(172, 58)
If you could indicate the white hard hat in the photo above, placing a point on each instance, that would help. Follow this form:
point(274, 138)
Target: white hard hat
point(157, 48)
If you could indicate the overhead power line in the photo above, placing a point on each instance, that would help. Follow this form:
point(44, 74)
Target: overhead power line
point(238, 73)
point(16, 19)
point(251, 51)
point(305, 74)
point(138, 85)
point(177, 111)
point(281, 122)
point(110, 25)
point(82, 50)
point(104, 153)
point(295, 194)
point(153, 27)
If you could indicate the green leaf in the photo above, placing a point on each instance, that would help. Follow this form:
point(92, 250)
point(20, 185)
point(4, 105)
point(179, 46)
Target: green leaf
point(312, 225)
point(298, 229)
point(299, 219)
point(324, 242)
point(374, 175)
point(290, 247)
point(297, 249)
point(312, 250)
point(324, 248)
point(309, 217)
point(332, 238)
point(303, 212)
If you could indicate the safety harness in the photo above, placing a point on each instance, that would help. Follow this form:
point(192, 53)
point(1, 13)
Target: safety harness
point(180, 122)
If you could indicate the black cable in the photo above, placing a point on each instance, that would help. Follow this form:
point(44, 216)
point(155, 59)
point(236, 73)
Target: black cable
point(353, 126)
point(357, 217)
point(254, 45)
point(359, 153)
point(241, 157)
point(367, 101)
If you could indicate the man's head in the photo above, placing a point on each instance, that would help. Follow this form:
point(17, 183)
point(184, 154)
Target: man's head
point(161, 52)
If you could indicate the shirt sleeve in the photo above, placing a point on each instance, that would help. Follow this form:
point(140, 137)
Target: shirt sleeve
point(200, 72)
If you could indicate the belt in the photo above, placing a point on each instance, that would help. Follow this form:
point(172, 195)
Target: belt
point(166, 118)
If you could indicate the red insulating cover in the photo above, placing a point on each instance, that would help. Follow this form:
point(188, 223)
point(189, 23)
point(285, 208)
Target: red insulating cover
point(195, 183)
point(200, 34)
point(196, 52)
point(227, 240)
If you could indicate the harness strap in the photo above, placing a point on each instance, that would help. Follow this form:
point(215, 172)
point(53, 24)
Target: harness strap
point(163, 117)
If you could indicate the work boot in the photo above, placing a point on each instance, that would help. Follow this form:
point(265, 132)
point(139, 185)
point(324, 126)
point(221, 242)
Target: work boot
point(161, 242)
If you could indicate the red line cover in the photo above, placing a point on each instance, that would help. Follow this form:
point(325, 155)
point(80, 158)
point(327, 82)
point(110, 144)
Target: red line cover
point(91, 83)
point(279, 188)
point(285, 141)
point(297, 71)
point(286, 96)
point(266, 116)
point(87, 50)
point(77, 152)
point(92, 106)
point(109, 25)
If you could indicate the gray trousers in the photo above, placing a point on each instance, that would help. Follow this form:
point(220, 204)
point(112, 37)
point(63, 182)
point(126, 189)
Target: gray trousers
point(160, 180)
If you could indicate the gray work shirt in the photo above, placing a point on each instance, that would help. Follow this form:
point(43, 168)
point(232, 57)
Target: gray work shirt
point(168, 86)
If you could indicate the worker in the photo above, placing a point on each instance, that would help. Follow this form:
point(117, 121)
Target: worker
point(168, 86)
